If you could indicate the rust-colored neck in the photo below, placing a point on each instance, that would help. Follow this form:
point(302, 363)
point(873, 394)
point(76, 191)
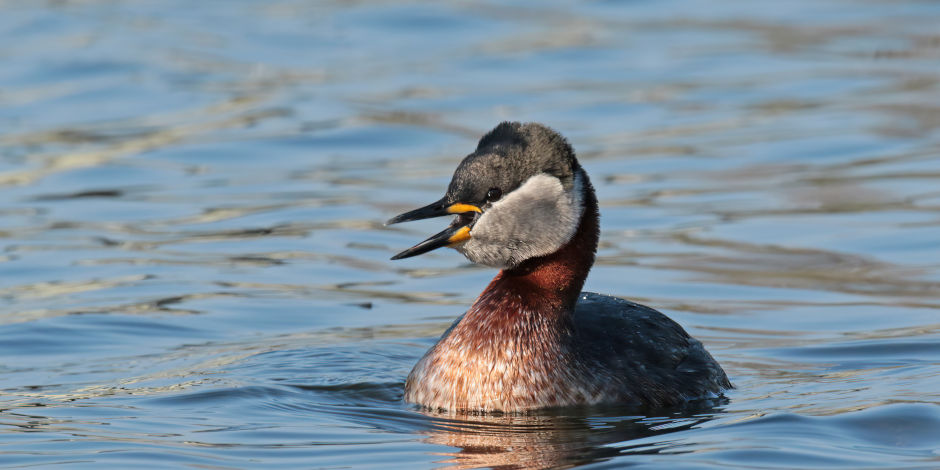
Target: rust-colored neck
point(551, 283)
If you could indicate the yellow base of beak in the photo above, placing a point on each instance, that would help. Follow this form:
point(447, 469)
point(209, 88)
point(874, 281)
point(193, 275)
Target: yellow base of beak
point(460, 236)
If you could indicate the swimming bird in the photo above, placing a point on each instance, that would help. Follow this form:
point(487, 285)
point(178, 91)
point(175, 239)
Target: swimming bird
point(522, 203)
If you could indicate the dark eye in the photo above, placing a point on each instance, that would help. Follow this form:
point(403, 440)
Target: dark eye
point(494, 194)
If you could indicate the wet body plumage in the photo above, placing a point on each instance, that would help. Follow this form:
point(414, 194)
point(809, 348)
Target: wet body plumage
point(532, 339)
point(651, 362)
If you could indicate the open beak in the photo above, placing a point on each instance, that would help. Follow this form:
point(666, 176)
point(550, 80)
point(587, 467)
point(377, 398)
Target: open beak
point(458, 231)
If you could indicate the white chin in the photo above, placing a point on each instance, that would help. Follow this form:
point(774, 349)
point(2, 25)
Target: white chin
point(487, 256)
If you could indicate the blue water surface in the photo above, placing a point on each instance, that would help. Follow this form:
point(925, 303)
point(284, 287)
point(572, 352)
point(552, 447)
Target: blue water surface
point(194, 269)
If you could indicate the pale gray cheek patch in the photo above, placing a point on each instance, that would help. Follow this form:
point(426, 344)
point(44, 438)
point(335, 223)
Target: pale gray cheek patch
point(536, 219)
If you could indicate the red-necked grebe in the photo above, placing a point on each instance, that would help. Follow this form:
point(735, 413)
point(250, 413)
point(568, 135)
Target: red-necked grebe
point(532, 339)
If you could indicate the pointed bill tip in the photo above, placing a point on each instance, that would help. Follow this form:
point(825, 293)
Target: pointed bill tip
point(435, 209)
point(398, 218)
point(448, 237)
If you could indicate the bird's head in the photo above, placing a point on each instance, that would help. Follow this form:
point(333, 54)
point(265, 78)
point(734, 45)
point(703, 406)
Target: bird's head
point(519, 195)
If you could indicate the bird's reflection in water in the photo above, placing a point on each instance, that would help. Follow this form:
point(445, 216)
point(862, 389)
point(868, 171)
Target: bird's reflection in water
point(559, 438)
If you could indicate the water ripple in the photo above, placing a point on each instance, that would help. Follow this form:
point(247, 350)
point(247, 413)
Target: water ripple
point(194, 269)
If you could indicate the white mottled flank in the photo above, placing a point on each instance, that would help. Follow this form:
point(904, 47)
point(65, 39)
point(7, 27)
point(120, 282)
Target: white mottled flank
point(501, 238)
